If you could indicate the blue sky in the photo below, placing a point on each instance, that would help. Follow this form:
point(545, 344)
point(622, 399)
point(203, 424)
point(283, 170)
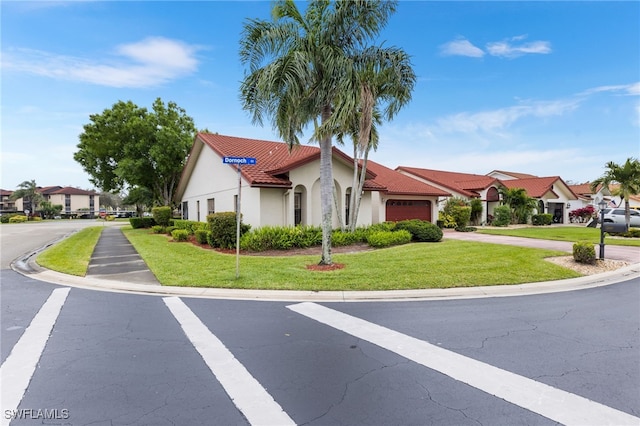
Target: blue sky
point(547, 88)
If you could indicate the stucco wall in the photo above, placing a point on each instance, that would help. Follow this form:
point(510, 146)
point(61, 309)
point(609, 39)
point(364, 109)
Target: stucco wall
point(212, 179)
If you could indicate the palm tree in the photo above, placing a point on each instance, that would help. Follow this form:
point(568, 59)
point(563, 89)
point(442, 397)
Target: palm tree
point(381, 76)
point(299, 65)
point(627, 176)
point(29, 193)
point(520, 203)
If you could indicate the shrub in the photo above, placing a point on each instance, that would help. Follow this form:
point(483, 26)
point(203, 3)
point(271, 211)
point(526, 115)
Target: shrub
point(169, 230)
point(201, 236)
point(381, 239)
point(340, 238)
point(191, 226)
point(461, 216)
point(467, 229)
point(158, 229)
point(281, 238)
point(180, 235)
point(5, 218)
point(223, 229)
point(502, 216)
point(584, 252)
point(162, 215)
point(447, 220)
point(476, 210)
point(17, 219)
point(36, 218)
point(633, 233)
point(142, 222)
point(542, 219)
point(421, 230)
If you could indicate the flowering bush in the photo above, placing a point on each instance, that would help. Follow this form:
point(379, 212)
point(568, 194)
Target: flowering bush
point(583, 214)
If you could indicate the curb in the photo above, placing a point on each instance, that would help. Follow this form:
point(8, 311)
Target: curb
point(598, 280)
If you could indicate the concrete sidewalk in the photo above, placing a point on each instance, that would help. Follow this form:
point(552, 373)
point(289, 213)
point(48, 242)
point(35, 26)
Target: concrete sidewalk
point(116, 266)
point(115, 259)
point(625, 253)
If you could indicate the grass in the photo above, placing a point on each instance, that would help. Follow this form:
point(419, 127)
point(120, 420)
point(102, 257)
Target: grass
point(73, 254)
point(561, 233)
point(413, 266)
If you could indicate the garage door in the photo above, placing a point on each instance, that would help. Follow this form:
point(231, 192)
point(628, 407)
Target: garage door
point(398, 210)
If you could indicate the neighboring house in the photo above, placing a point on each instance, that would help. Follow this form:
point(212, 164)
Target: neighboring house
point(552, 194)
point(463, 185)
point(589, 197)
point(7, 205)
point(75, 202)
point(283, 187)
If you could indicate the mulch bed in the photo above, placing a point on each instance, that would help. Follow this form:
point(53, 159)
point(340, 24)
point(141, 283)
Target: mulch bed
point(354, 248)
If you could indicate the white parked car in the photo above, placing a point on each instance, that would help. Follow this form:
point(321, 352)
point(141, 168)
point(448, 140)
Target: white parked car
point(617, 216)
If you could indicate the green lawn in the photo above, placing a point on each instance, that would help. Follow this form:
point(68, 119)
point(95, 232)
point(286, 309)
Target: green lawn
point(414, 266)
point(561, 233)
point(72, 255)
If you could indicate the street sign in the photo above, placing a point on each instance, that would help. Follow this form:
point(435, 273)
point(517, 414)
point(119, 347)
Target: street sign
point(238, 161)
point(241, 161)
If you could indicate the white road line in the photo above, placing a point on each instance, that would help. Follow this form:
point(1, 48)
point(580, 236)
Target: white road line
point(246, 393)
point(550, 402)
point(17, 370)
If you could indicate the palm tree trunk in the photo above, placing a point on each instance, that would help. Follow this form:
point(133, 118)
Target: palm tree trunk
point(326, 196)
point(326, 191)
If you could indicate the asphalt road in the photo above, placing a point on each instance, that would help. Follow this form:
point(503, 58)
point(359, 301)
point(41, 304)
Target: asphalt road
point(106, 358)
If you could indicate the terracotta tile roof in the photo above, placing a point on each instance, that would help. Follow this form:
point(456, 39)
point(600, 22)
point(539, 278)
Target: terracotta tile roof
point(536, 187)
point(514, 174)
point(45, 190)
point(69, 190)
point(273, 161)
point(5, 193)
point(463, 183)
point(396, 183)
point(615, 186)
point(272, 158)
point(583, 189)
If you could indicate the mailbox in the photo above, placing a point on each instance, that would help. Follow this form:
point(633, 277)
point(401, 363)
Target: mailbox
point(613, 228)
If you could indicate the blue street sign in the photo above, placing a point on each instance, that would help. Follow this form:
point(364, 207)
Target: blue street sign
point(239, 160)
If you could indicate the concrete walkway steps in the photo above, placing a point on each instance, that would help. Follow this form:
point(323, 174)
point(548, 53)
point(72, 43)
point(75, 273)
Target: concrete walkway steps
point(114, 258)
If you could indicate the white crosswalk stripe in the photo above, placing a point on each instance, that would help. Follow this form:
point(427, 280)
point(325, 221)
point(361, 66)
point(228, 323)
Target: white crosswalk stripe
point(553, 403)
point(247, 394)
point(16, 371)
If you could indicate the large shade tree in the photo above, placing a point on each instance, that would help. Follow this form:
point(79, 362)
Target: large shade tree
point(128, 146)
point(298, 66)
point(627, 176)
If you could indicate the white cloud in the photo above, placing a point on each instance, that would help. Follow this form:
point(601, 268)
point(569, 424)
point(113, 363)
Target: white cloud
point(147, 63)
point(632, 89)
point(500, 119)
point(509, 49)
point(461, 47)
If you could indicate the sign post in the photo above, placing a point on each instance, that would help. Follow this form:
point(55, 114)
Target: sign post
point(238, 161)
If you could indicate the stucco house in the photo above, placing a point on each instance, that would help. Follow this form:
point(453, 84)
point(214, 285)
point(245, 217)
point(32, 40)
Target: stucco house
point(552, 194)
point(589, 197)
point(283, 187)
point(463, 185)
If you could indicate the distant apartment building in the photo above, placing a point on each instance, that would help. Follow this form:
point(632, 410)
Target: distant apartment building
point(75, 202)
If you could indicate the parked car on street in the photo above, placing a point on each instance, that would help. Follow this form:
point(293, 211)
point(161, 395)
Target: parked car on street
point(617, 216)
